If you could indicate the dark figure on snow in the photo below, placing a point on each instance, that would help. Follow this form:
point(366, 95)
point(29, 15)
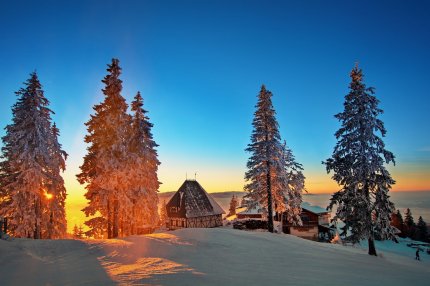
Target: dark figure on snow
point(417, 254)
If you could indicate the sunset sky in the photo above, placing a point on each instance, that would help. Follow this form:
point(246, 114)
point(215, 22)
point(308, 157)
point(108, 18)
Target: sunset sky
point(200, 64)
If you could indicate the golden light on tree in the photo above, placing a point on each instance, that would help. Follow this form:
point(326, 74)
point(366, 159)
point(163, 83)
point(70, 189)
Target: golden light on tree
point(48, 196)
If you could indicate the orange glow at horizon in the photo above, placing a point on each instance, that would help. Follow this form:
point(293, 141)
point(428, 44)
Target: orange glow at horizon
point(216, 179)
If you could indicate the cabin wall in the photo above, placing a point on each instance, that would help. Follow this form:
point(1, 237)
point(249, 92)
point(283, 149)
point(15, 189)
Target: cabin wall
point(309, 229)
point(324, 219)
point(195, 222)
point(250, 216)
point(308, 218)
point(176, 223)
point(205, 221)
point(308, 232)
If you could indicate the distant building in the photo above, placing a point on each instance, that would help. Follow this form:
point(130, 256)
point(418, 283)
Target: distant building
point(192, 207)
point(315, 222)
point(254, 212)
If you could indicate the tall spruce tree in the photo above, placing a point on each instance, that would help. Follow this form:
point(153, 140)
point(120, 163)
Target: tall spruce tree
point(31, 166)
point(265, 148)
point(269, 177)
point(358, 167)
point(422, 231)
point(56, 192)
point(143, 148)
point(289, 186)
point(105, 166)
point(409, 223)
point(397, 222)
point(233, 206)
point(163, 213)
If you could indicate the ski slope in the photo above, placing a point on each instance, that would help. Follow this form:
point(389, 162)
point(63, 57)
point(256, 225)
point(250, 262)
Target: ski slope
point(218, 256)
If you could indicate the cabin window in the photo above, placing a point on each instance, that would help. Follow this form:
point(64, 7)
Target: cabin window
point(173, 209)
point(305, 218)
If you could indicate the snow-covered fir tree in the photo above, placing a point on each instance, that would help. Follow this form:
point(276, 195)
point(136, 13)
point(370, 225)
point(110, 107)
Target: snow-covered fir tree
point(56, 224)
point(145, 158)
point(422, 231)
point(75, 231)
point(268, 177)
point(121, 166)
point(409, 223)
point(289, 186)
point(233, 205)
point(163, 213)
point(106, 166)
point(397, 222)
point(30, 171)
point(358, 167)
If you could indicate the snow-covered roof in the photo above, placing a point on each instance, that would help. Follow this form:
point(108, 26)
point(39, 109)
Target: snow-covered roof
point(256, 209)
point(313, 209)
point(191, 200)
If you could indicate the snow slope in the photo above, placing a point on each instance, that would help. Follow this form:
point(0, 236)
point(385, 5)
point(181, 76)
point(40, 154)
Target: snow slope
point(204, 257)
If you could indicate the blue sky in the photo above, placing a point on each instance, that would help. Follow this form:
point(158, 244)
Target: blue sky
point(200, 64)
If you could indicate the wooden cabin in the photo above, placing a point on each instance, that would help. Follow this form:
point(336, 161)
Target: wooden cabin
point(315, 224)
point(192, 207)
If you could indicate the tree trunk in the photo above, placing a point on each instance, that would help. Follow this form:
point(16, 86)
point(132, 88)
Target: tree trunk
point(372, 249)
point(269, 199)
point(115, 227)
point(51, 224)
point(132, 222)
point(37, 231)
point(282, 223)
point(109, 220)
point(5, 225)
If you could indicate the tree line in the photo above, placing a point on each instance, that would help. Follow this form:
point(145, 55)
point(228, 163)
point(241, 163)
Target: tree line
point(120, 167)
point(407, 227)
point(119, 170)
point(275, 180)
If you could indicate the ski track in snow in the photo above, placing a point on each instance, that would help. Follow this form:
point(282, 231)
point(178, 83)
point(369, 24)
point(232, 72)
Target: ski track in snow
point(207, 257)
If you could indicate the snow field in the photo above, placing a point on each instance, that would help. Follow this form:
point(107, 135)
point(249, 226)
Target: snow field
point(217, 256)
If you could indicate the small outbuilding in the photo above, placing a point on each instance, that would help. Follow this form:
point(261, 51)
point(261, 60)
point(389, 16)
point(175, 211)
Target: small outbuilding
point(192, 207)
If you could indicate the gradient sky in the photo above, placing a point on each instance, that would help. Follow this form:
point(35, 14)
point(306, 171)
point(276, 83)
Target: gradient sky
point(200, 65)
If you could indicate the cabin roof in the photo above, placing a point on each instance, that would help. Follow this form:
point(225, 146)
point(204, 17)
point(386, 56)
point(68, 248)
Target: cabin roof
point(256, 209)
point(252, 210)
point(193, 201)
point(313, 209)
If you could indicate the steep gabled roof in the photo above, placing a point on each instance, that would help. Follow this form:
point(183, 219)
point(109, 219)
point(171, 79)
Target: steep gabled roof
point(191, 200)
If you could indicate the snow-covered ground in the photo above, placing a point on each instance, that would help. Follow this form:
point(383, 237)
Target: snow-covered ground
point(207, 257)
